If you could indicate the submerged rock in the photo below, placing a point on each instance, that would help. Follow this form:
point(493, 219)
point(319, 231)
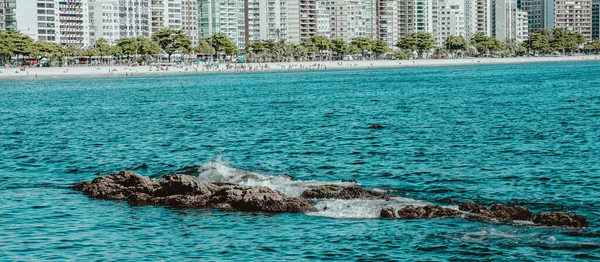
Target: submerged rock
point(257, 199)
point(427, 212)
point(116, 186)
point(338, 192)
point(376, 126)
point(561, 219)
point(504, 213)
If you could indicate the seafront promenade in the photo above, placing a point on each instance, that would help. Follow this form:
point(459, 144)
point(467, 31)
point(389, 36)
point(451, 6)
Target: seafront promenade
point(122, 71)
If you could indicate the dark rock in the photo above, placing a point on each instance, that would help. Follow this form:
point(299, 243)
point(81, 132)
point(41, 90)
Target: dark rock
point(478, 218)
point(376, 126)
point(183, 185)
point(561, 219)
point(388, 212)
point(573, 100)
point(349, 181)
point(412, 212)
point(337, 192)
point(116, 186)
point(506, 213)
point(470, 207)
point(184, 191)
point(257, 199)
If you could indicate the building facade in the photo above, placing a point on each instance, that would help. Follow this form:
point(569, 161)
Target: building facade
point(449, 20)
point(104, 21)
point(134, 18)
point(596, 20)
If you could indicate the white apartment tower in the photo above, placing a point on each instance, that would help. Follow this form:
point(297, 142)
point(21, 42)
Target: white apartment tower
point(189, 19)
point(73, 22)
point(388, 22)
point(104, 21)
point(596, 20)
point(323, 27)
point(267, 20)
point(134, 18)
point(222, 16)
point(448, 19)
point(423, 15)
point(347, 19)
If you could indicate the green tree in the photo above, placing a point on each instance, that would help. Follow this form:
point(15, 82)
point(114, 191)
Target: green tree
point(417, 41)
point(378, 47)
point(593, 46)
point(204, 48)
point(71, 51)
point(6, 46)
point(221, 43)
point(322, 43)
point(362, 45)
point(22, 44)
point(129, 46)
point(102, 48)
point(339, 47)
point(486, 44)
point(172, 41)
point(146, 48)
point(49, 50)
point(456, 44)
point(566, 40)
point(539, 41)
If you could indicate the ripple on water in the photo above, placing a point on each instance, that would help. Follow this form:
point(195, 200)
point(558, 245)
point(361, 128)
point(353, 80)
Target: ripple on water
point(496, 133)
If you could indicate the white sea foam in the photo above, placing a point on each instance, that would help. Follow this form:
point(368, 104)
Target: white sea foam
point(219, 171)
point(360, 208)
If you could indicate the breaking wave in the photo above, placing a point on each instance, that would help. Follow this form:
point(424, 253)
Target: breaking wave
point(220, 171)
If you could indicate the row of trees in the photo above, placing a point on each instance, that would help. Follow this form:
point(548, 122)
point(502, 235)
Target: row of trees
point(169, 42)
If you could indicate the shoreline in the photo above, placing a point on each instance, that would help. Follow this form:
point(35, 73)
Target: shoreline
point(135, 71)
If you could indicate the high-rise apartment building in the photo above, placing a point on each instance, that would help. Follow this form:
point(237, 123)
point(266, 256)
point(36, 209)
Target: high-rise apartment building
point(267, 20)
point(387, 17)
point(574, 16)
point(73, 22)
point(189, 19)
point(424, 15)
point(134, 18)
point(483, 21)
point(536, 13)
point(308, 18)
point(222, 16)
point(8, 19)
point(406, 19)
point(448, 19)
point(323, 27)
point(596, 19)
point(347, 19)
point(104, 21)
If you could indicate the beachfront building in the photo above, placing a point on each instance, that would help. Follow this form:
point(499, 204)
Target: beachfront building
point(483, 21)
point(423, 15)
point(504, 19)
point(596, 19)
point(522, 26)
point(73, 22)
point(189, 19)
point(104, 21)
point(574, 16)
point(308, 18)
point(536, 13)
point(370, 19)
point(134, 18)
point(388, 27)
point(266, 20)
point(448, 19)
point(222, 16)
point(347, 19)
point(323, 27)
point(406, 19)
point(8, 20)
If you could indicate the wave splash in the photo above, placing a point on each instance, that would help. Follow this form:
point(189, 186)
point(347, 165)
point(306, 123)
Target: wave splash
point(220, 171)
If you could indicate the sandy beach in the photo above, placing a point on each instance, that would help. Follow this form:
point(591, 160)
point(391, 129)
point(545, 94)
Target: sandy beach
point(123, 71)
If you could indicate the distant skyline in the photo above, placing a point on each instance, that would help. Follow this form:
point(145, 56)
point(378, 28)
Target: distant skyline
point(82, 22)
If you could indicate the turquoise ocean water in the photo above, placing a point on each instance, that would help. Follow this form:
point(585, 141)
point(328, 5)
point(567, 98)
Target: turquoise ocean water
point(490, 134)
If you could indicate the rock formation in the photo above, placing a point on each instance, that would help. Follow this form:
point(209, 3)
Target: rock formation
point(338, 192)
point(184, 191)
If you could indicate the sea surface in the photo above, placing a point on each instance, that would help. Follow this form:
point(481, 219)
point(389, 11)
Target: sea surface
point(524, 134)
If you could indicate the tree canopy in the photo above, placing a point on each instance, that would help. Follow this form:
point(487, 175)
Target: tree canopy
point(171, 41)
